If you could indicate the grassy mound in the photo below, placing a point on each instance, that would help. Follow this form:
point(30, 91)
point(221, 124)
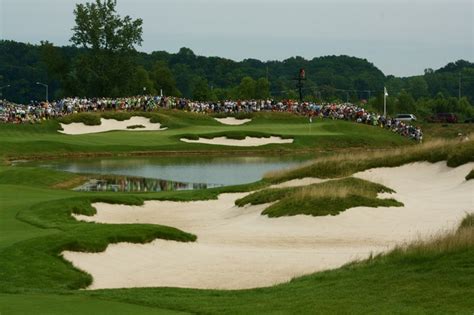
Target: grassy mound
point(328, 198)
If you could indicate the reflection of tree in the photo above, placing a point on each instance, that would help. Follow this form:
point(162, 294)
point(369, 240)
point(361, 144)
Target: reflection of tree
point(138, 184)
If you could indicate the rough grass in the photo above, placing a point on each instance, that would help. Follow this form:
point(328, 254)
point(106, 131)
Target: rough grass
point(135, 127)
point(328, 198)
point(236, 135)
point(442, 243)
point(470, 175)
point(341, 165)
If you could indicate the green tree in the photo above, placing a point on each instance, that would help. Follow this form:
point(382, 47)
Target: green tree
point(109, 41)
point(163, 79)
point(262, 89)
point(405, 103)
point(201, 91)
point(141, 82)
point(246, 89)
point(418, 87)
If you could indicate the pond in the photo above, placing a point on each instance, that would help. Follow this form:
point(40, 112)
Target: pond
point(171, 173)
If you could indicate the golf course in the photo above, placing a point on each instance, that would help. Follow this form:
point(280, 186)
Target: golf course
point(366, 221)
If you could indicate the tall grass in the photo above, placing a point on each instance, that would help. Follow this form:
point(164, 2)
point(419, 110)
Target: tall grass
point(470, 175)
point(328, 198)
point(454, 152)
point(443, 243)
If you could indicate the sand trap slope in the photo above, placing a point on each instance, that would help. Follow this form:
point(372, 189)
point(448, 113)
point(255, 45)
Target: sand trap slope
point(247, 142)
point(300, 182)
point(109, 125)
point(240, 248)
point(232, 121)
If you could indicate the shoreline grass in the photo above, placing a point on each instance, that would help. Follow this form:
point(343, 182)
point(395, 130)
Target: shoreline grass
point(454, 152)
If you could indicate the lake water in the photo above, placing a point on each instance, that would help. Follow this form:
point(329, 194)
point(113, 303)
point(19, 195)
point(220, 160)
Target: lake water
point(171, 173)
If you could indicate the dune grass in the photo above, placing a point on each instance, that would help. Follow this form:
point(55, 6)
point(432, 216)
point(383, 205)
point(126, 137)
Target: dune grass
point(327, 198)
point(470, 175)
point(341, 165)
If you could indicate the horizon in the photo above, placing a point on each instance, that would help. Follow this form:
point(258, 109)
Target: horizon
point(263, 61)
point(402, 35)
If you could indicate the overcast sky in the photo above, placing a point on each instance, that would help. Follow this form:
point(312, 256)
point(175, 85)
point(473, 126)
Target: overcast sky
point(400, 37)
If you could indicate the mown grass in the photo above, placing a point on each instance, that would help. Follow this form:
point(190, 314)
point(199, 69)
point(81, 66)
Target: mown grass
point(36, 225)
point(168, 118)
point(37, 263)
point(410, 281)
point(454, 152)
point(328, 198)
point(42, 140)
point(61, 304)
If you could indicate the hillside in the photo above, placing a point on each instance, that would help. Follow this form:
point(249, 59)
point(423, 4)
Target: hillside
point(191, 76)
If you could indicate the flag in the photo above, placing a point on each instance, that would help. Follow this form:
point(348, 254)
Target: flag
point(385, 93)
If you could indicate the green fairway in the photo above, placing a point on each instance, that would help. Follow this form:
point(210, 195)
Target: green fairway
point(36, 226)
point(43, 140)
point(42, 304)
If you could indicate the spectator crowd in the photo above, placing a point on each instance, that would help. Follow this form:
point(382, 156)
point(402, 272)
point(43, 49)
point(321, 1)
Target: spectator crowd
point(37, 111)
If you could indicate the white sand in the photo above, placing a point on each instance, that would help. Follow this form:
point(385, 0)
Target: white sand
point(232, 121)
point(300, 182)
point(240, 248)
point(247, 142)
point(109, 125)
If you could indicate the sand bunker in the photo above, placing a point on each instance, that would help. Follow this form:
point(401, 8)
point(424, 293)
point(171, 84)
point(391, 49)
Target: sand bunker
point(247, 142)
point(111, 124)
point(239, 248)
point(300, 182)
point(232, 121)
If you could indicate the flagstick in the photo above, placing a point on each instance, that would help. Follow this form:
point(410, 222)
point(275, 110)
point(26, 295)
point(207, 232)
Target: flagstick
point(384, 102)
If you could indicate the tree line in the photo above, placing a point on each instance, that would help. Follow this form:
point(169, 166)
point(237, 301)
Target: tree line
point(103, 62)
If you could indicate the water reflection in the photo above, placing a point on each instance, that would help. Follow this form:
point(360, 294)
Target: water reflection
point(130, 184)
point(226, 170)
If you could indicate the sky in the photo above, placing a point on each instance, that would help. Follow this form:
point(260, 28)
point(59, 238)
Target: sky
point(400, 37)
